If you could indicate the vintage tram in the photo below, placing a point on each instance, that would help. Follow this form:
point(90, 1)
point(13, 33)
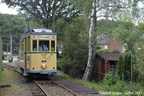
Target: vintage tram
point(38, 52)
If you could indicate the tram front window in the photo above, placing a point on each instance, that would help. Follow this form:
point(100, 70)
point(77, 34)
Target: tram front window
point(34, 45)
point(43, 45)
point(52, 45)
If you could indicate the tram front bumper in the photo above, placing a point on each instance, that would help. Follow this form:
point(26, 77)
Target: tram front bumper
point(49, 72)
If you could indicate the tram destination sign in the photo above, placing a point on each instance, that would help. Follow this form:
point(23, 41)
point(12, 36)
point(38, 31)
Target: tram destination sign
point(43, 37)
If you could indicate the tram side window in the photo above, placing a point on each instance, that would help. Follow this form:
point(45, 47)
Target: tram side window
point(34, 45)
point(43, 45)
point(52, 45)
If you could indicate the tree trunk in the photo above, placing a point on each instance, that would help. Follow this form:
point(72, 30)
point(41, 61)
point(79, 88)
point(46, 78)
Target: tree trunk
point(54, 17)
point(92, 43)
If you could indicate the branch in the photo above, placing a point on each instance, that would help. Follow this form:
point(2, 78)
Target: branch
point(104, 7)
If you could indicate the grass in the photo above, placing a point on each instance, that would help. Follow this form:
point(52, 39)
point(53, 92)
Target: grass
point(11, 63)
point(93, 85)
point(17, 89)
point(114, 90)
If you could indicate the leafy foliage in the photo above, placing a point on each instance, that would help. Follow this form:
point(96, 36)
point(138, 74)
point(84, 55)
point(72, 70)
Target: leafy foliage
point(59, 64)
point(121, 66)
point(48, 11)
point(116, 51)
point(103, 51)
point(98, 47)
point(110, 79)
point(11, 24)
point(74, 50)
point(127, 62)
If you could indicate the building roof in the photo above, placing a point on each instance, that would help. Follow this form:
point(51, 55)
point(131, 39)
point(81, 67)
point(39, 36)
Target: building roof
point(110, 56)
point(105, 39)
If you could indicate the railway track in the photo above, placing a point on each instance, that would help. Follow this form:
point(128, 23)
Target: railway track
point(44, 86)
point(34, 92)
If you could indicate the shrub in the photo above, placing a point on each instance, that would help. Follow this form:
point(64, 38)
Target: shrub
point(103, 51)
point(109, 79)
point(59, 64)
point(127, 62)
point(106, 51)
point(121, 66)
point(113, 83)
point(116, 51)
point(98, 47)
point(99, 51)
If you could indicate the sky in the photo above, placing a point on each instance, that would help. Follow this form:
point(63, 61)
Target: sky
point(5, 10)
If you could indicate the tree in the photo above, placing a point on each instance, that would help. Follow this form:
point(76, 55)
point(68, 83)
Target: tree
point(121, 66)
point(99, 8)
point(48, 11)
point(107, 9)
point(11, 24)
point(127, 63)
point(74, 56)
point(128, 33)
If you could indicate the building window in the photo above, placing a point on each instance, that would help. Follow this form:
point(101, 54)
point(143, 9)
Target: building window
point(124, 47)
point(113, 68)
point(101, 47)
point(120, 48)
point(105, 46)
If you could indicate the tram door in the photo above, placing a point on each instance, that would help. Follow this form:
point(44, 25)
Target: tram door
point(25, 56)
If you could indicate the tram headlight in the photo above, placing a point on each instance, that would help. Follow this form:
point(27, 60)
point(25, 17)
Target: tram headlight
point(44, 66)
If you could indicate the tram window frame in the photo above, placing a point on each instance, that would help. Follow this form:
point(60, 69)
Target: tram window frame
point(46, 42)
point(29, 43)
point(34, 46)
point(52, 45)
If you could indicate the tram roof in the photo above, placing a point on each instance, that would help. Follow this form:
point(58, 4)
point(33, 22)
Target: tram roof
point(37, 31)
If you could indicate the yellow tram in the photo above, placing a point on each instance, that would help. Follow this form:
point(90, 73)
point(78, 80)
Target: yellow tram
point(38, 52)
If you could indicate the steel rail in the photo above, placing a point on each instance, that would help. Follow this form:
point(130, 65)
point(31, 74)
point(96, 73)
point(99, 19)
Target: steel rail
point(45, 92)
point(12, 67)
point(65, 88)
point(42, 89)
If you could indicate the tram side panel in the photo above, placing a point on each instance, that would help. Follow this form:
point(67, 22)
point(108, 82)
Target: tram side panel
point(22, 55)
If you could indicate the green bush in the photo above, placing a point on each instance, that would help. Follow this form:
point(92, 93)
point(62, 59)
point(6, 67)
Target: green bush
point(116, 51)
point(106, 51)
point(98, 47)
point(121, 65)
point(99, 51)
point(113, 83)
point(109, 79)
point(59, 64)
point(103, 51)
point(127, 62)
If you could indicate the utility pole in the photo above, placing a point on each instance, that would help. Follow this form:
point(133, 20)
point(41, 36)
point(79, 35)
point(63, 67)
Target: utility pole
point(11, 47)
point(7, 51)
